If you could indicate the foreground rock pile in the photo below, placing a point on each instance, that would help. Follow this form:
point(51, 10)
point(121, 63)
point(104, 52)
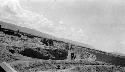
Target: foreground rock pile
point(29, 53)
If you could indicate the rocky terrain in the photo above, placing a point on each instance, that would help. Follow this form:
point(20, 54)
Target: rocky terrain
point(26, 52)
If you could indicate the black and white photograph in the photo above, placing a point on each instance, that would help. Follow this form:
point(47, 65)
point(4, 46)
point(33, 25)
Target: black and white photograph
point(62, 36)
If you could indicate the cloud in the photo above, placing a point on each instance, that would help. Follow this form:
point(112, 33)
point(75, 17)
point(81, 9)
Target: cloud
point(99, 23)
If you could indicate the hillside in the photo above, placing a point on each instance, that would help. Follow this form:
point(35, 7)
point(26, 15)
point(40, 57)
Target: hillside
point(27, 49)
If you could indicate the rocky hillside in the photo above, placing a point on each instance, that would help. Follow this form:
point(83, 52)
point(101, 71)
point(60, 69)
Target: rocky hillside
point(26, 51)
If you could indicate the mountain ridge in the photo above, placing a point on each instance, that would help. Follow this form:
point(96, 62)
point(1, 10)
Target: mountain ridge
point(101, 55)
point(35, 32)
point(43, 34)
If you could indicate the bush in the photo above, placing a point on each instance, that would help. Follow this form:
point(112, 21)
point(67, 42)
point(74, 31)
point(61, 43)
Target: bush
point(7, 57)
point(85, 55)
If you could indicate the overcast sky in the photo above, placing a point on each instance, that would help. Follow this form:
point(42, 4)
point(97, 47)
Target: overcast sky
point(99, 23)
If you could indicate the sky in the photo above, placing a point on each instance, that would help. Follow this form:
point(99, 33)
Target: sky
point(99, 23)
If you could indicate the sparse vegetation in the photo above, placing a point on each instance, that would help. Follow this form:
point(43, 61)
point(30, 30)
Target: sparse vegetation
point(48, 54)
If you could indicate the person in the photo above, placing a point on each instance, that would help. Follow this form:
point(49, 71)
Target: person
point(0, 27)
point(73, 56)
